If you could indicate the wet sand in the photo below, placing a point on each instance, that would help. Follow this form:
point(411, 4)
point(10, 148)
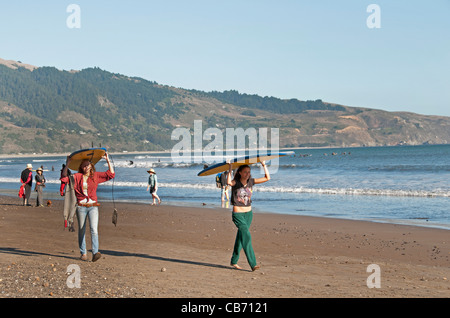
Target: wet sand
point(184, 252)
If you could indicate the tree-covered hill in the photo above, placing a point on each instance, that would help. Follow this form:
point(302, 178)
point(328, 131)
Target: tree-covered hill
point(103, 103)
point(272, 104)
point(45, 110)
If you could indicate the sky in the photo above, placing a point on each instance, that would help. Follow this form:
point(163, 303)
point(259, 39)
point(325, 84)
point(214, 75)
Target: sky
point(394, 57)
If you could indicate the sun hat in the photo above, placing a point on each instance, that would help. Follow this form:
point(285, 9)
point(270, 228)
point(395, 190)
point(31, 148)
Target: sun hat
point(39, 169)
point(29, 166)
point(151, 171)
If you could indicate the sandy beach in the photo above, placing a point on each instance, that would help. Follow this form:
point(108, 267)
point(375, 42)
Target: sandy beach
point(182, 252)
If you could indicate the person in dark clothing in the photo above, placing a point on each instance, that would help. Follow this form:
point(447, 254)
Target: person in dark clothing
point(40, 184)
point(26, 178)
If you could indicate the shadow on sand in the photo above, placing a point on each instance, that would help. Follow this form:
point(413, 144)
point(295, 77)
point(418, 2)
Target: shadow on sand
point(16, 251)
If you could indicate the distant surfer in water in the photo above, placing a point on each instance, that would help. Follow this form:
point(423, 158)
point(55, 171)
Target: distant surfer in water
point(241, 199)
point(85, 185)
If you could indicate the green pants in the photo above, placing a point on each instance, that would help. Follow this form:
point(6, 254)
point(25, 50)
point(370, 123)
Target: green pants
point(243, 238)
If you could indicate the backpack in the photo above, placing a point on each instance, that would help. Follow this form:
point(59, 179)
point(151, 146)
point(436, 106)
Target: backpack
point(218, 183)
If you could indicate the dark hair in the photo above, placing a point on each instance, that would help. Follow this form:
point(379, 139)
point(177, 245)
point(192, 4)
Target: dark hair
point(237, 175)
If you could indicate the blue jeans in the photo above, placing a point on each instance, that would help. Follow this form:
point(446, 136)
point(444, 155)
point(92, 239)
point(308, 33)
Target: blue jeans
point(82, 214)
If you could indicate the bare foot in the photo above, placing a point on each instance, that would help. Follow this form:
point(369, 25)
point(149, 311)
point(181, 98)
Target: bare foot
point(236, 266)
point(255, 268)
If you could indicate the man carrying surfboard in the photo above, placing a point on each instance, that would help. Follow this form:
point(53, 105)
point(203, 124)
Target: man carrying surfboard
point(86, 182)
point(241, 199)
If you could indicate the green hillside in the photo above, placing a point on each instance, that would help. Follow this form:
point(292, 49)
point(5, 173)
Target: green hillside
point(46, 110)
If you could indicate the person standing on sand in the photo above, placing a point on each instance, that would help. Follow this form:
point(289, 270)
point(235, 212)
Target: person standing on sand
point(40, 184)
point(70, 200)
point(224, 185)
point(153, 186)
point(85, 186)
point(242, 215)
point(26, 178)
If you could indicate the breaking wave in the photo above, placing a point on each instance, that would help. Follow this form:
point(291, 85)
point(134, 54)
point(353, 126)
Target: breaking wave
point(325, 191)
point(329, 191)
point(169, 164)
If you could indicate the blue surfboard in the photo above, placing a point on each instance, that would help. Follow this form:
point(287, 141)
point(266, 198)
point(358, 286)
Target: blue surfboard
point(239, 161)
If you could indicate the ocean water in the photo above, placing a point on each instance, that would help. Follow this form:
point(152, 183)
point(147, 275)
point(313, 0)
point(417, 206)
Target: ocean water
point(402, 185)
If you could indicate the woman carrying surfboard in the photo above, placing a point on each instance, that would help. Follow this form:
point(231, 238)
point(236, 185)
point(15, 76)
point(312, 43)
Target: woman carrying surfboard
point(85, 185)
point(241, 199)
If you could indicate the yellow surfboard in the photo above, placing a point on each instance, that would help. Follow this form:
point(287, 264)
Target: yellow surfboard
point(236, 162)
point(92, 154)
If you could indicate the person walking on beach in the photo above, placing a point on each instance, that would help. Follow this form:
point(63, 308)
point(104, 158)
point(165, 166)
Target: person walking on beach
point(26, 178)
point(242, 215)
point(85, 184)
point(224, 185)
point(40, 184)
point(153, 186)
point(70, 200)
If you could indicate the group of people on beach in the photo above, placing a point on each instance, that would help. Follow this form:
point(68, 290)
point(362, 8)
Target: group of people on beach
point(81, 187)
point(26, 179)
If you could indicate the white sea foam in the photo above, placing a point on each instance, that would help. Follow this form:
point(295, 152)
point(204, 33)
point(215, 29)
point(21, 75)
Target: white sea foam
point(299, 190)
point(133, 164)
point(153, 164)
point(45, 160)
point(351, 191)
point(330, 191)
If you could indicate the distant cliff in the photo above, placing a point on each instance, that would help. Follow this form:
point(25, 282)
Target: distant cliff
point(45, 110)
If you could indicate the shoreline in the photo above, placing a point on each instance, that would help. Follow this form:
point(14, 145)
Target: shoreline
point(258, 209)
point(172, 252)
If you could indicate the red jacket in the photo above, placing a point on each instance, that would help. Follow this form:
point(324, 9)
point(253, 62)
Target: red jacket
point(99, 177)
